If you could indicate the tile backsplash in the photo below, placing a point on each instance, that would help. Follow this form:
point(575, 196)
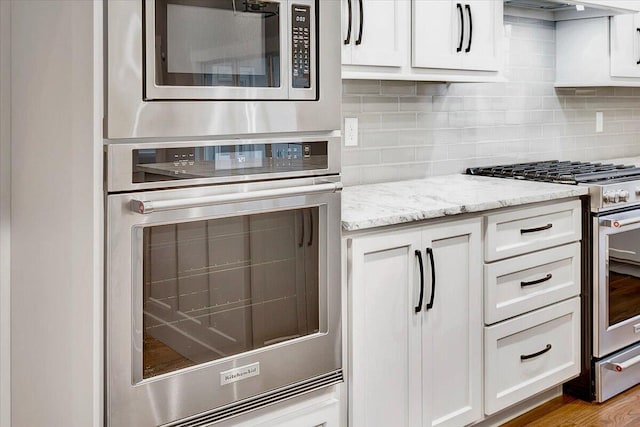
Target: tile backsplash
point(417, 129)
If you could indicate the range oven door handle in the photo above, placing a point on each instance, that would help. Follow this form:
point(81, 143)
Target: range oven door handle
point(147, 207)
point(619, 223)
point(619, 367)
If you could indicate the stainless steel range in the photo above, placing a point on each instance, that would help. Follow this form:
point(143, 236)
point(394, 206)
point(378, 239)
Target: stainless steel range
point(611, 269)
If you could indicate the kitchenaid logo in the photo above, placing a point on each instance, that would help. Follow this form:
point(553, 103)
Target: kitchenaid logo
point(241, 373)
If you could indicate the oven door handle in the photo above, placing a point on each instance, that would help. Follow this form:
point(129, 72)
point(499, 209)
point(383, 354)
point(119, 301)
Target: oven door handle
point(619, 223)
point(147, 207)
point(619, 367)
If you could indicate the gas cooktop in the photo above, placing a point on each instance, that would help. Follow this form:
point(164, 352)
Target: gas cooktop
point(560, 172)
point(611, 186)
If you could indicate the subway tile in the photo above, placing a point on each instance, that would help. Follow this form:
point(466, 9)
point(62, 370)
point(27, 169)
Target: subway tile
point(383, 173)
point(430, 89)
point(398, 155)
point(368, 121)
point(379, 104)
point(378, 138)
point(433, 120)
point(622, 91)
point(398, 120)
point(431, 153)
point(416, 103)
point(402, 88)
point(360, 157)
point(361, 87)
point(351, 104)
point(414, 137)
point(447, 103)
point(351, 176)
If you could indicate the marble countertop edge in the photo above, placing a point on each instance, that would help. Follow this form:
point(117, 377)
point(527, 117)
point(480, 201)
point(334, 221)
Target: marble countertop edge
point(378, 205)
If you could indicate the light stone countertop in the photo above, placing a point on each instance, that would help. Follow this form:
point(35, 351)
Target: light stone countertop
point(377, 205)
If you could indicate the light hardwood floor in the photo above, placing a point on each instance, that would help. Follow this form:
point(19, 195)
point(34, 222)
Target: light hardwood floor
point(566, 411)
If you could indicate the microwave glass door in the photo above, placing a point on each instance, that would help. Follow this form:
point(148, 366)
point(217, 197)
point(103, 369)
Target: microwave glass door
point(229, 50)
point(221, 287)
point(233, 43)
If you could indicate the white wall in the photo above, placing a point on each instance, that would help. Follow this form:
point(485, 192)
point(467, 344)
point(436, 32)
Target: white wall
point(5, 213)
point(412, 130)
point(56, 193)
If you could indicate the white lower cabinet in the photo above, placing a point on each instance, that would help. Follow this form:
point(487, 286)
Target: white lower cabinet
point(532, 304)
point(415, 364)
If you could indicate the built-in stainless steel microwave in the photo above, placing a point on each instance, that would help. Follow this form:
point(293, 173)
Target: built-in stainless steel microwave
point(185, 68)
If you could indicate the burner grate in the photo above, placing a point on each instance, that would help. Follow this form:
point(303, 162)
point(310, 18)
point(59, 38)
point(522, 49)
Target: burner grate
point(564, 172)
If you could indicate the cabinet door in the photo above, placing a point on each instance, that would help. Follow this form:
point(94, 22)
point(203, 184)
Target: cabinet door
point(625, 46)
point(483, 34)
point(452, 328)
point(437, 34)
point(461, 35)
point(377, 32)
point(384, 343)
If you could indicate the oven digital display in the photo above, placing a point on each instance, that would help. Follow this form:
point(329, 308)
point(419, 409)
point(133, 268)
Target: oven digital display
point(163, 164)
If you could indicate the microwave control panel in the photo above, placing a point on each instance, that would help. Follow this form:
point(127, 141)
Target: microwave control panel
point(301, 46)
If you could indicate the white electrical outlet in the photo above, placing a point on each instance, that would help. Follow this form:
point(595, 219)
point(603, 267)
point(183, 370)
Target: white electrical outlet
point(350, 132)
point(599, 121)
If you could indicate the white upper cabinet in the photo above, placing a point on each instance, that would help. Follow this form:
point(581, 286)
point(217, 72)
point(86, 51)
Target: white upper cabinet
point(437, 40)
point(625, 46)
point(457, 35)
point(598, 51)
point(373, 32)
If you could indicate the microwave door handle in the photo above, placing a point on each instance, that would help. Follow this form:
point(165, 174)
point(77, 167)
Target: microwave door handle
point(147, 207)
point(619, 223)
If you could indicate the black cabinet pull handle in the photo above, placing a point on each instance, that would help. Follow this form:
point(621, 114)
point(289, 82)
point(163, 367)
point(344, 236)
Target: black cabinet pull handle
point(433, 279)
point(359, 40)
point(533, 230)
point(459, 6)
point(535, 282)
point(301, 242)
point(348, 39)
point(419, 306)
point(310, 228)
point(536, 354)
point(466, 6)
point(638, 62)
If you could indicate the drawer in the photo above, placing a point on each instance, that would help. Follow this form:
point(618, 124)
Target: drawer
point(531, 353)
point(517, 285)
point(522, 230)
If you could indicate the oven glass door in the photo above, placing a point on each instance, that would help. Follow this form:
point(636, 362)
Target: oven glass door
point(220, 287)
point(218, 294)
point(228, 49)
point(618, 310)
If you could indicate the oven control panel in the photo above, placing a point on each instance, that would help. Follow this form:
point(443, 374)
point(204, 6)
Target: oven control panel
point(301, 46)
point(615, 195)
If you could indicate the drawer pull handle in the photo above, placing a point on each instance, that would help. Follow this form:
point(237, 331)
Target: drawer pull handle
point(535, 282)
point(418, 308)
point(536, 354)
point(533, 230)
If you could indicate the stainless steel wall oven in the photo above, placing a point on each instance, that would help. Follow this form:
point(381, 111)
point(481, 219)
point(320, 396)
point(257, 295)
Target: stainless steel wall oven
point(223, 277)
point(195, 68)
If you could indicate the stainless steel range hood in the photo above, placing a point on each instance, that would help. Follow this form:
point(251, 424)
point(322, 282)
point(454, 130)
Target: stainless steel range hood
point(562, 10)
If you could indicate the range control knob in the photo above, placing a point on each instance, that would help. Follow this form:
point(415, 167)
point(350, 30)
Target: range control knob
point(624, 196)
point(609, 197)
